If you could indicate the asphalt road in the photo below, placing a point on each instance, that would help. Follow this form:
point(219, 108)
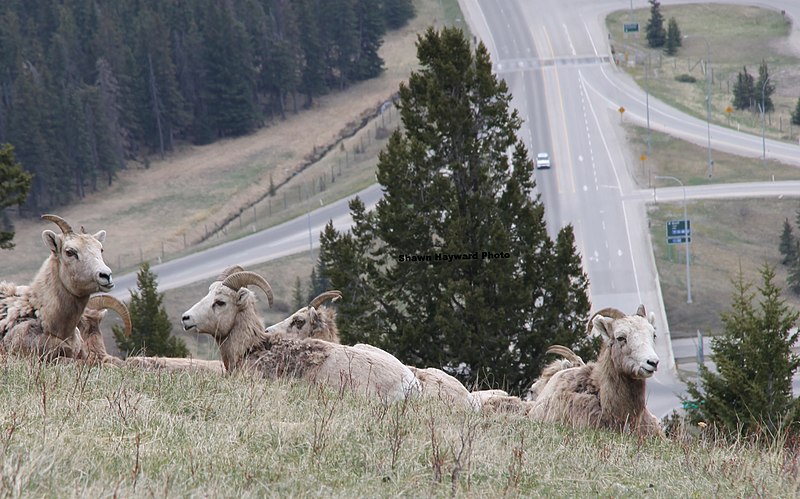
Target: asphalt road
point(564, 87)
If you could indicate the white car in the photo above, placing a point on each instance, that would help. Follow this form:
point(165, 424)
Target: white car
point(542, 160)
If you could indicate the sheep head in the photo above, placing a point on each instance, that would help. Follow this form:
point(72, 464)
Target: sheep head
point(630, 340)
point(95, 312)
point(306, 322)
point(226, 300)
point(79, 257)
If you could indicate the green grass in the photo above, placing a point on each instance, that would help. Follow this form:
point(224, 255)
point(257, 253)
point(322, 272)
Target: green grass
point(689, 162)
point(737, 36)
point(72, 431)
point(726, 235)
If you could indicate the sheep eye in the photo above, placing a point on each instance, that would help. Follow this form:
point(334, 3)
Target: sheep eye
point(219, 303)
point(71, 253)
point(298, 323)
point(621, 339)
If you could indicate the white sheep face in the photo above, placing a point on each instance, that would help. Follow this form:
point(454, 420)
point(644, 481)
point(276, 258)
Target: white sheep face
point(631, 340)
point(216, 313)
point(80, 261)
point(301, 324)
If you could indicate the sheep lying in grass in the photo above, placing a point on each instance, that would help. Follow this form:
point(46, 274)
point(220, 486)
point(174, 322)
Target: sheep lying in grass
point(228, 313)
point(41, 319)
point(174, 364)
point(312, 321)
point(89, 327)
point(570, 360)
point(437, 384)
point(609, 393)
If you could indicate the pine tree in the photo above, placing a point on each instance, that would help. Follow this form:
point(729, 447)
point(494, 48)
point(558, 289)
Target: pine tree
point(298, 299)
point(673, 37)
point(14, 186)
point(787, 244)
point(752, 388)
point(655, 32)
point(764, 87)
point(397, 13)
point(151, 334)
point(793, 279)
point(796, 113)
point(743, 90)
point(454, 267)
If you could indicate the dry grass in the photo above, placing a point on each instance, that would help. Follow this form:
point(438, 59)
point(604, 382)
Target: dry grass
point(172, 204)
point(70, 431)
point(688, 162)
point(741, 36)
point(726, 236)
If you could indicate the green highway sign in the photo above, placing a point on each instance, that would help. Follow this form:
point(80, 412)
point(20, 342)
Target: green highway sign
point(630, 27)
point(679, 231)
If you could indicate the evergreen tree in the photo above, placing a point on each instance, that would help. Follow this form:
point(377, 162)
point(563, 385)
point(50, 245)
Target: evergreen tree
point(673, 37)
point(796, 113)
point(655, 32)
point(298, 299)
point(764, 87)
point(319, 282)
point(793, 279)
point(397, 13)
point(797, 219)
point(787, 244)
point(371, 28)
point(151, 333)
point(743, 90)
point(752, 388)
point(457, 183)
point(14, 186)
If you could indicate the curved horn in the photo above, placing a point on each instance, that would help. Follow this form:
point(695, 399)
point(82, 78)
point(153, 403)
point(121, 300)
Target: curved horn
point(247, 278)
point(102, 302)
point(327, 295)
point(567, 354)
point(228, 271)
point(62, 224)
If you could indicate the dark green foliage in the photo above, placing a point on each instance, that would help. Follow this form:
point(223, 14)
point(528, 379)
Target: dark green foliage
point(86, 85)
point(686, 78)
point(764, 88)
point(397, 13)
point(151, 334)
point(319, 281)
point(457, 181)
point(673, 41)
point(654, 31)
point(744, 90)
point(14, 186)
point(787, 244)
point(796, 113)
point(793, 279)
point(298, 298)
point(752, 389)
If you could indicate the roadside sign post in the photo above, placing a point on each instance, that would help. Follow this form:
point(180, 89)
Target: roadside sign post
point(680, 232)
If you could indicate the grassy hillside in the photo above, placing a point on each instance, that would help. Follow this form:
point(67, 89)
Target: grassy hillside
point(72, 431)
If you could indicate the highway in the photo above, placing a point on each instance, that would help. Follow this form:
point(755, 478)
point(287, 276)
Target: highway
point(555, 57)
point(566, 90)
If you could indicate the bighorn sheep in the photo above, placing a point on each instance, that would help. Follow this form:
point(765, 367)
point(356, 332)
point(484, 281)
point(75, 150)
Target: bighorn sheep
point(228, 314)
point(44, 315)
point(175, 364)
point(437, 384)
point(312, 321)
point(609, 393)
point(570, 360)
point(89, 327)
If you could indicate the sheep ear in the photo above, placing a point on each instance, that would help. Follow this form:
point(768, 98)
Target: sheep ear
point(640, 311)
point(651, 318)
point(52, 241)
point(241, 297)
point(100, 235)
point(603, 325)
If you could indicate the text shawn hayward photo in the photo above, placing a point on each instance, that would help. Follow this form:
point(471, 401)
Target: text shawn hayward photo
point(451, 257)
